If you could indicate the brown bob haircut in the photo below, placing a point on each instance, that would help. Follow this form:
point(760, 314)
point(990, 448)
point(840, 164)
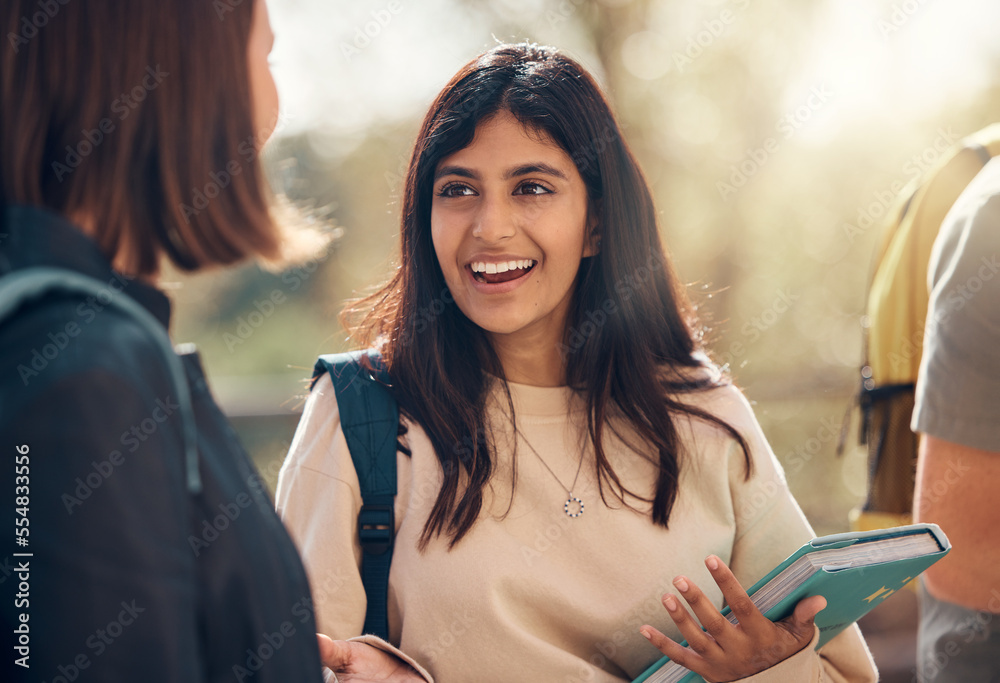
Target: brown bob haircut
point(136, 115)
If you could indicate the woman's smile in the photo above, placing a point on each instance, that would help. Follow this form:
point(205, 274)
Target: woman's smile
point(501, 275)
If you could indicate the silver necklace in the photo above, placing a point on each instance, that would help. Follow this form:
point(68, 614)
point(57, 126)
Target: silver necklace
point(573, 506)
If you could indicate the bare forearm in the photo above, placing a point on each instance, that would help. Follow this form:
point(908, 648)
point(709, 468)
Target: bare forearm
point(957, 489)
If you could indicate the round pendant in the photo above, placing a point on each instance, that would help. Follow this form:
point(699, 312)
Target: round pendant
point(574, 506)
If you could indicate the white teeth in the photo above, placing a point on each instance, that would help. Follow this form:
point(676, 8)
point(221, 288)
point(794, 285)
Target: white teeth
point(502, 267)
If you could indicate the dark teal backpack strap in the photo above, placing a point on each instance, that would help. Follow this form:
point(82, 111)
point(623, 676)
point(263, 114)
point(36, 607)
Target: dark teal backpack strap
point(369, 417)
point(23, 286)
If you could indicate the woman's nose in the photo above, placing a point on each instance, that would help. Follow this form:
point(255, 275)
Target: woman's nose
point(494, 221)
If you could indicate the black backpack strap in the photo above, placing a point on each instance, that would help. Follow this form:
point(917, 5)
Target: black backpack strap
point(369, 418)
point(29, 284)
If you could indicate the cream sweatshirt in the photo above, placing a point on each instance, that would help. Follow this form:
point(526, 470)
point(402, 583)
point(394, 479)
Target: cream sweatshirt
point(531, 594)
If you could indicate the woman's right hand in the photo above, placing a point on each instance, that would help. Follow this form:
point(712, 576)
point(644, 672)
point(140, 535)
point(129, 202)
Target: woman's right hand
point(361, 663)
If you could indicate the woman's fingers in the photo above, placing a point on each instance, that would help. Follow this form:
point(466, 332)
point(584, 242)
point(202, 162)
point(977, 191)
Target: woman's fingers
point(698, 640)
point(751, 620)
point(800, 623)
point(724, 651)
point(681, 655)
point(334, 654)
point(715, 624)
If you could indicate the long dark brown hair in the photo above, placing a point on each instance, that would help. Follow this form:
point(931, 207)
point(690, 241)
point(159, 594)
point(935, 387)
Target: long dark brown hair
point(137, 115)
point(631, 337)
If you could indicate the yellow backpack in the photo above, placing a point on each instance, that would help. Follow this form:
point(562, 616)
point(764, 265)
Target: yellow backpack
point(896, 311)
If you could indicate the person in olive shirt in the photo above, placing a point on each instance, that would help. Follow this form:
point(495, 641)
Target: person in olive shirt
point(130, 133)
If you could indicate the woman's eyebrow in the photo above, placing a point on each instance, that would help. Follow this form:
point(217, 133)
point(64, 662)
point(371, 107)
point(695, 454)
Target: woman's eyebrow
point(461, 171)
point(535, 167)
point(522, 170)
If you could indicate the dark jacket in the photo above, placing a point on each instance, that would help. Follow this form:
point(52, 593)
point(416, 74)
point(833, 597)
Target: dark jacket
point(131, 577)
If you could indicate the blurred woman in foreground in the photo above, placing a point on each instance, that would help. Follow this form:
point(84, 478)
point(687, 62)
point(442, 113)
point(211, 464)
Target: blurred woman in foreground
point(130, 133)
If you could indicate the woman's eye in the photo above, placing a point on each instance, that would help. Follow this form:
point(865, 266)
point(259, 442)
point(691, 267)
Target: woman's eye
point(532, 189)
point(455, 190)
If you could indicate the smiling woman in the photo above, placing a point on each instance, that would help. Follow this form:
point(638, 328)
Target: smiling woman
point(641, 462)
point(491, 209)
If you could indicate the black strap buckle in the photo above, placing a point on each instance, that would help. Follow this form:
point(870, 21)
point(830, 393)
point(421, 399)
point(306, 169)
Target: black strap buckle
point(376, 527)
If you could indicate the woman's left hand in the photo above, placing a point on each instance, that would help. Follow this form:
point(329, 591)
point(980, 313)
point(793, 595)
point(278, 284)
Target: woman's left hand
point(725, 651)
point(362, 663)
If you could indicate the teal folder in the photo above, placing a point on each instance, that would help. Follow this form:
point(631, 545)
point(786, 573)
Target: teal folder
point(853, 571)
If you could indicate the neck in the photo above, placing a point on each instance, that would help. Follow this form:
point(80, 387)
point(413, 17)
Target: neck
point(530, 358)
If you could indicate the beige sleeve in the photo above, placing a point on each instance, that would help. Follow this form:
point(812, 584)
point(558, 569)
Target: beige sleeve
point(769, 527)
point(377, 642)
point(318, 498)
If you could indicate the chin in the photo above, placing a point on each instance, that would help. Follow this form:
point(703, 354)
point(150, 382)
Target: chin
point(496, 328)
point(498, 325)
